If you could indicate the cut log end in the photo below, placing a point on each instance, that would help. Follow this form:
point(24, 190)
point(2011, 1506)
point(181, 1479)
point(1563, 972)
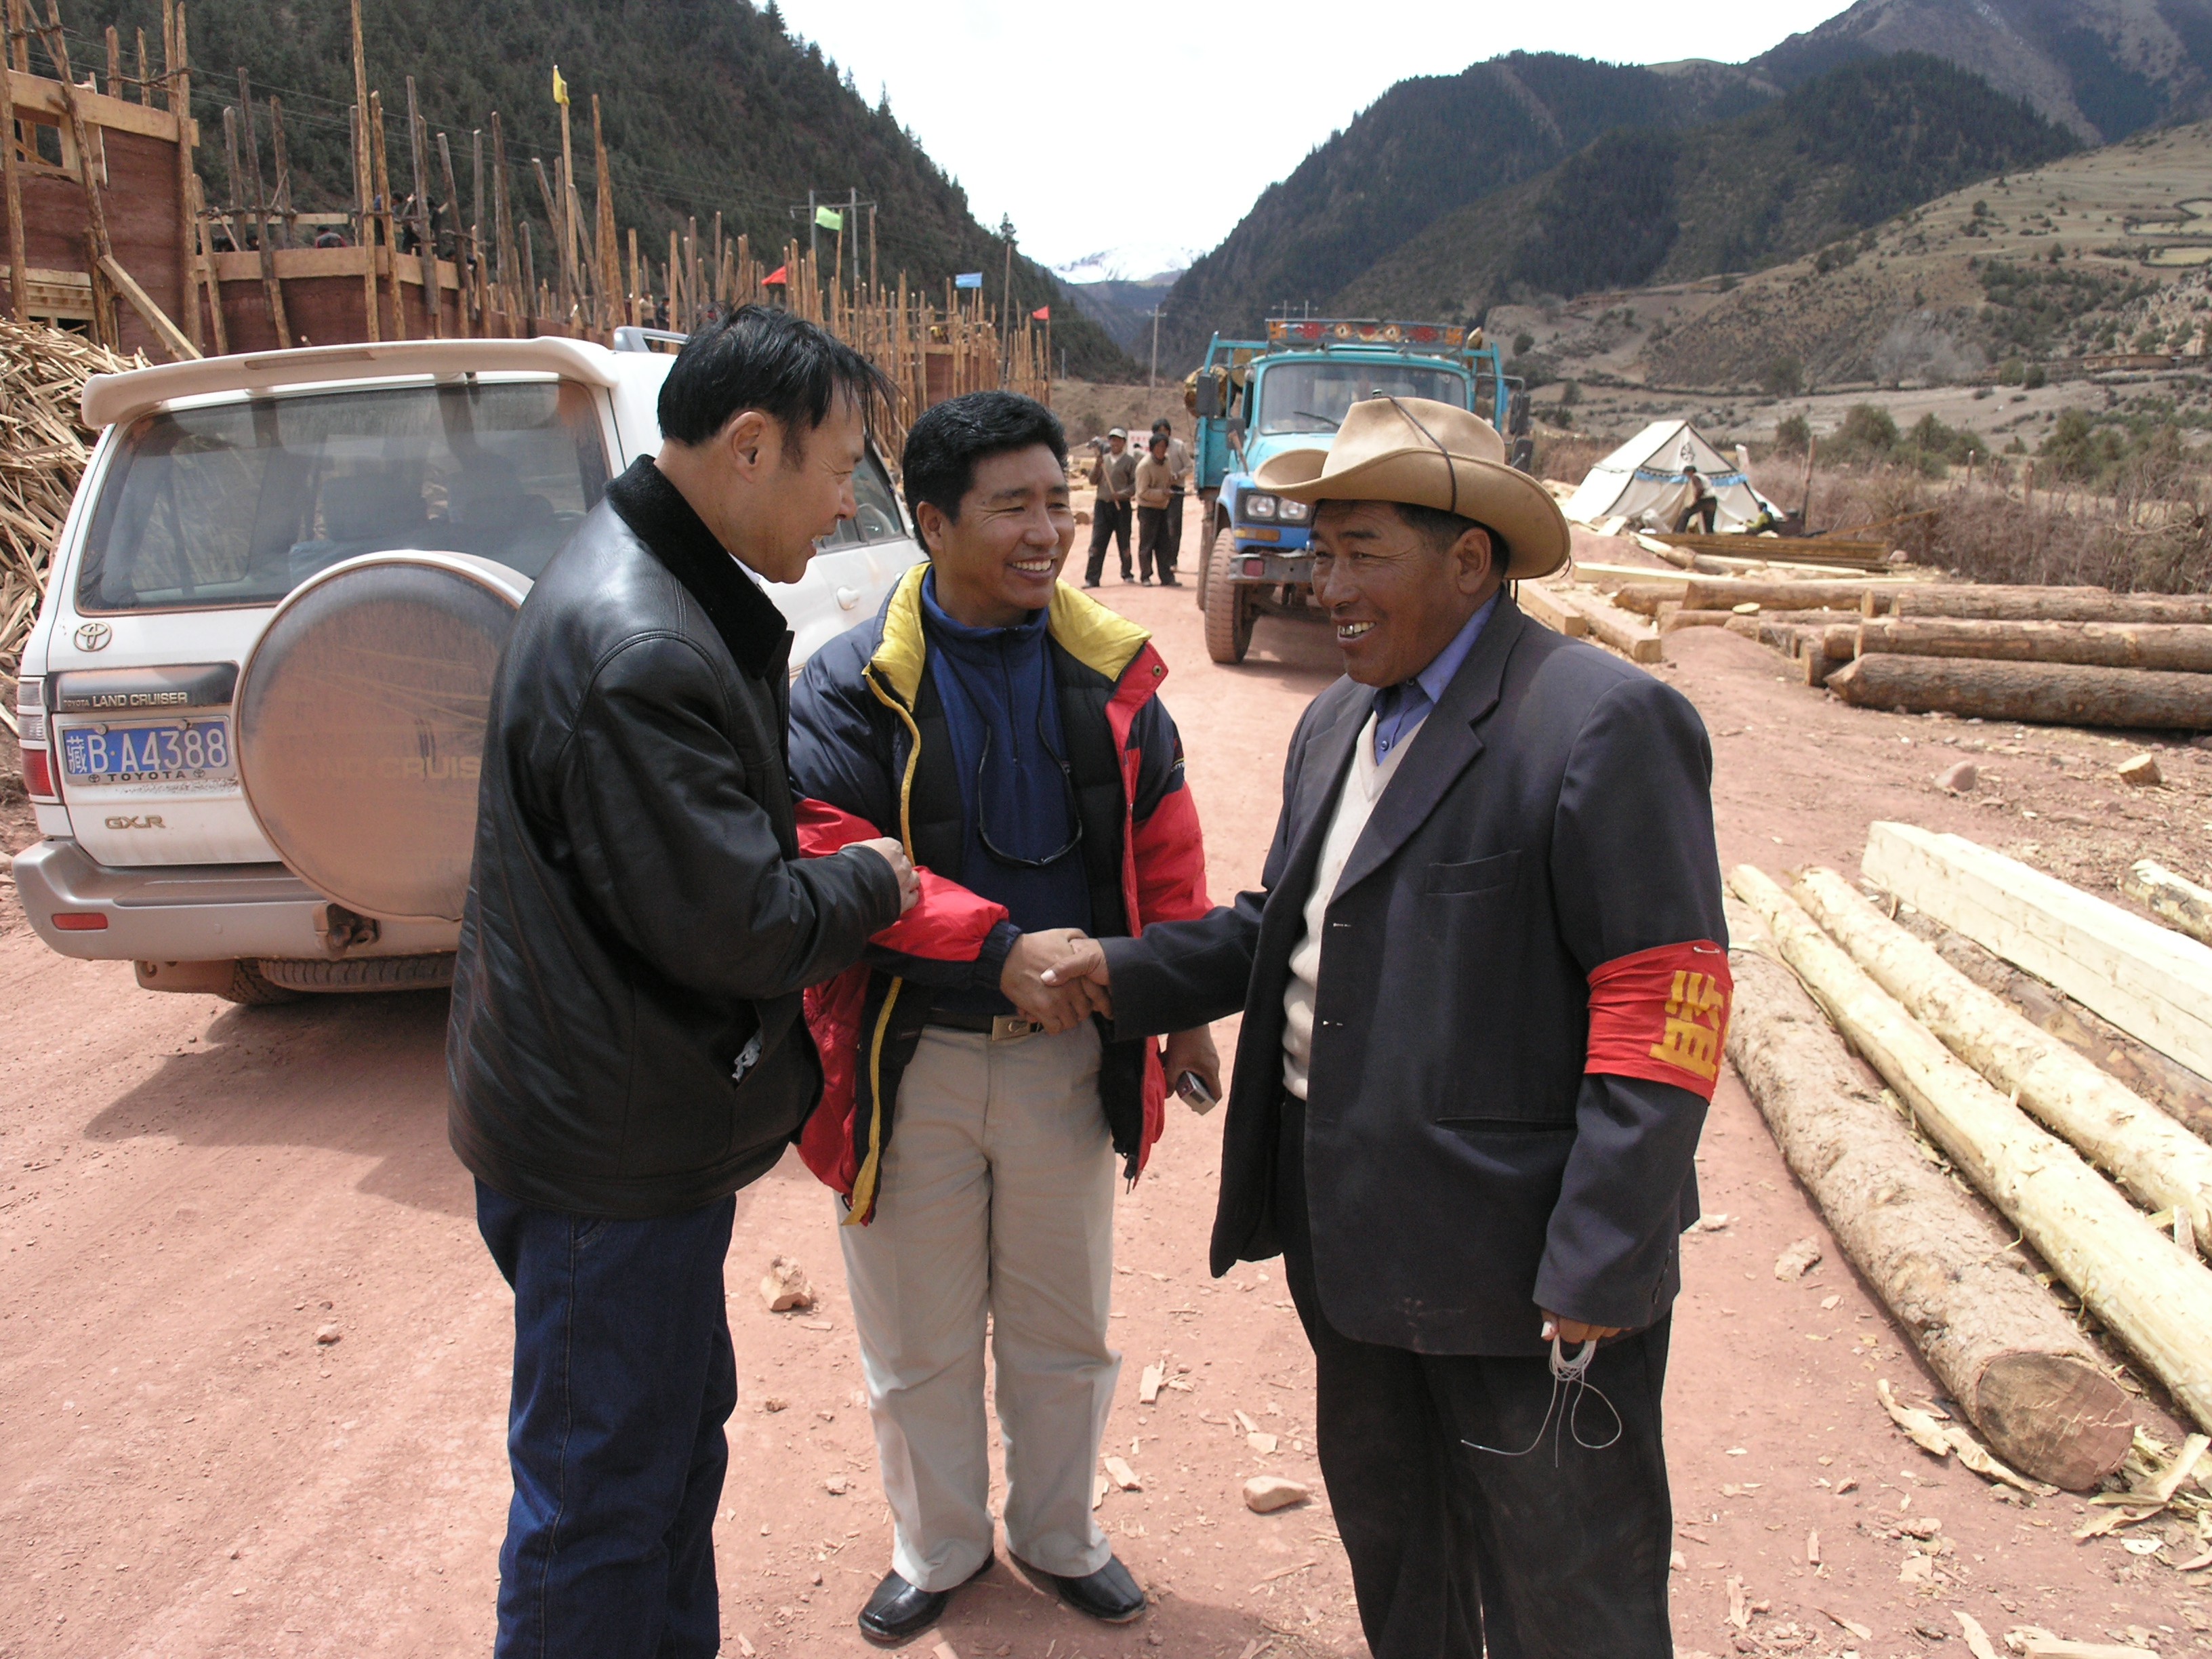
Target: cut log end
point(2059, 1418)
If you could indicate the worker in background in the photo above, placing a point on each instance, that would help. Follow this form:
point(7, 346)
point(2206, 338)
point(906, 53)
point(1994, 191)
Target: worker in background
point(1698, 501)
point(1484, 985)
point(1179, 462)
point(1114, 476)
point(980, 1120)
point(626, 1047)
point(1155, 490)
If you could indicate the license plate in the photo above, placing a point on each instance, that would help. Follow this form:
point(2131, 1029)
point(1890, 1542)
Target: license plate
point(157, 752)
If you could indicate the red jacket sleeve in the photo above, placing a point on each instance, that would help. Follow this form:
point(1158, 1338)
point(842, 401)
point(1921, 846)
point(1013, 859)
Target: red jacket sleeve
point(1170, 859)
point(948, 923)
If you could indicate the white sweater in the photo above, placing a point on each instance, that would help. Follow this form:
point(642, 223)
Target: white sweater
point(1362, 786)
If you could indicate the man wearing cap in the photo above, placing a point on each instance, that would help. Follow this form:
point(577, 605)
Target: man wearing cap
point(1114, 473)
point(1179, 463)
point(1484, 985)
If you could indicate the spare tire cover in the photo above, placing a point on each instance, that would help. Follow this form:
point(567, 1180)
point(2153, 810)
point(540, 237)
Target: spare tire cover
point(361, 726)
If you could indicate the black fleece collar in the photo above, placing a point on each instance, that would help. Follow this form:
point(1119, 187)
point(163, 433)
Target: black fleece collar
point(673, 533)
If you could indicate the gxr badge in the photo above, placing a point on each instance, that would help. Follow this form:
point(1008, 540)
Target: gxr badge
point(94, 636)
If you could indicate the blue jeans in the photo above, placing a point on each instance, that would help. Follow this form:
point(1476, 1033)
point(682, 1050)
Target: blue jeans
point(623, 1377)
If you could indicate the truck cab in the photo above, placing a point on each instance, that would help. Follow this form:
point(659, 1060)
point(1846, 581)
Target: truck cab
point(1257, 398)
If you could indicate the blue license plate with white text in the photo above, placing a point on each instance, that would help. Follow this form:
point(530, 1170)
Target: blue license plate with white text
point(157, 752)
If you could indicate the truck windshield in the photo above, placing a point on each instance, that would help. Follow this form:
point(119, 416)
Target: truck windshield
point(1314, 397)
point(236, 504)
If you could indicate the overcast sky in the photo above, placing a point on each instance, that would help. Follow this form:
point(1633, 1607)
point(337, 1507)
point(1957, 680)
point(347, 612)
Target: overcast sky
point(1047, 113)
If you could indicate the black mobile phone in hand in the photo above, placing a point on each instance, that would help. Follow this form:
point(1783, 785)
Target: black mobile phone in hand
point(1192, 1087)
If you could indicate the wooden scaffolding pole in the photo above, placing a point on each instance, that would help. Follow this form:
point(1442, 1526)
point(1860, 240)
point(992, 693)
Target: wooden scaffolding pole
point(364, 190)
point(271, 289)
point(509, 257)
point(19, 268)
point(425, 239)
point(380, 165)
point(462, 287)
point(609, 259)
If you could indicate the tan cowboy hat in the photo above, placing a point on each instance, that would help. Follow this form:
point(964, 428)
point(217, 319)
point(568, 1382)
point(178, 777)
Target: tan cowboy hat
point(1429, 454)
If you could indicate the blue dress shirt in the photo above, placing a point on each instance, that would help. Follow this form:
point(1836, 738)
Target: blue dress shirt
point(1401, 708)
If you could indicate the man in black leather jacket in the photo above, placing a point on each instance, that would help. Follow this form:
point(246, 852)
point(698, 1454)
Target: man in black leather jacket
point(626, 1047)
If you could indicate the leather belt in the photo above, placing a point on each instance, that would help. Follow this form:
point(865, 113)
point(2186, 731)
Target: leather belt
point(999, 1028)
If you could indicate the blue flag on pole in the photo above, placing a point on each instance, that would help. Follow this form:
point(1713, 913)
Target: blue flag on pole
point(969, 279)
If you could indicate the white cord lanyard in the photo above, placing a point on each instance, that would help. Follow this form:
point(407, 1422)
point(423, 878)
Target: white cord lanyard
point(1569, 1377)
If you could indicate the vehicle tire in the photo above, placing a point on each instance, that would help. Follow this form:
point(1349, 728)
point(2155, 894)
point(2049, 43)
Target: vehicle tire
point(433, 973)
point(1223, 545)
point(1230, 609)
point(250, 988)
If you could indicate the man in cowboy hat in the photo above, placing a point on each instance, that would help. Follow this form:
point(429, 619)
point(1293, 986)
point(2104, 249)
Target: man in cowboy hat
point(1483, 984)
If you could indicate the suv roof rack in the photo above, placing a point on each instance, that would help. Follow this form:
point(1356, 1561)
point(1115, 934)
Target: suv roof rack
point(629, 339)
point(110, 399)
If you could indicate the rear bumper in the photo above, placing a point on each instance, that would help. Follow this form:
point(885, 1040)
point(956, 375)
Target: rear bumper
point(191, 912)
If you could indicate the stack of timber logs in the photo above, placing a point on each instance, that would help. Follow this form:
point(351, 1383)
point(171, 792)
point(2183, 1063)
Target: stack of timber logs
point(1948, 1270)
point(2053, 656)
point(2147, 1288)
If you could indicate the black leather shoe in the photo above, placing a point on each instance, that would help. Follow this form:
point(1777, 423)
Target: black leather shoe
point(897, 1611)
point(1109, 1594)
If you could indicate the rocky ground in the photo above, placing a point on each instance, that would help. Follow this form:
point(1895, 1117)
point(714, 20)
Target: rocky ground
point(252, 1356)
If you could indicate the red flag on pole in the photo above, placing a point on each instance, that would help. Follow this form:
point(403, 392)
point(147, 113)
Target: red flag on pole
point(1043, 314)
point(775, 275)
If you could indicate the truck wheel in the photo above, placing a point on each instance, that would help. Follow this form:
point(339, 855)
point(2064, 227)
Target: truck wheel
point(432, 973)
point(1230, 608)
point(1223, 545)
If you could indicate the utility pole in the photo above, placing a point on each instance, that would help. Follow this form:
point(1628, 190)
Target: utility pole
point(1154, 379)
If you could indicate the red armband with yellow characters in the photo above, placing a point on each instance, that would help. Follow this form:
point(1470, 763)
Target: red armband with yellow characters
point(1662, 1014)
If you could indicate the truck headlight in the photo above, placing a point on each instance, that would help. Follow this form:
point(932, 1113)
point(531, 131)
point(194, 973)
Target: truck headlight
point(1259, 507)
point(1296, 512)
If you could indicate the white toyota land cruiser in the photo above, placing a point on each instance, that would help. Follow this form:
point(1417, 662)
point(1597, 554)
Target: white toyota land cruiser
point(253, 705)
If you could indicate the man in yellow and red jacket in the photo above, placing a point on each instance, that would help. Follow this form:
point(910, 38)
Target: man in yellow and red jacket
point(1009, 732)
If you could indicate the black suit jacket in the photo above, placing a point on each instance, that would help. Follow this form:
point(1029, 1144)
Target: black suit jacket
point(1553, 813)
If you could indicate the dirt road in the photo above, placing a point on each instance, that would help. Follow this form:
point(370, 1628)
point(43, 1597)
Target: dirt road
point(252, 1356)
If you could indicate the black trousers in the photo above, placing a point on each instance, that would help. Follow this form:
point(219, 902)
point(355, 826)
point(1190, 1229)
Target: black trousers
point(1699, 509)
point(1153, 544)
point(1109, 520)
point(1174, 526)
point(1457, 1552)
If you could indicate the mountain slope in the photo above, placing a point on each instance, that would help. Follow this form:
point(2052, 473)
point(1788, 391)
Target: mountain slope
point(1426, 147)
point(709, 105)
point(2104, 68)
point(1839, 154)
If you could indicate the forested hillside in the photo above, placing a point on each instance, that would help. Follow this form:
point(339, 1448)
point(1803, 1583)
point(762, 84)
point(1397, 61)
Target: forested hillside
point(707, 105)
point(1843, 152)
point(1426, 148)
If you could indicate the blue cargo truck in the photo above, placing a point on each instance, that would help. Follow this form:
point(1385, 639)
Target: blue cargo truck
point(1255, 398)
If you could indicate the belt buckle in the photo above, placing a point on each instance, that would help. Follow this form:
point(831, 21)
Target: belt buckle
point(1012, 1028)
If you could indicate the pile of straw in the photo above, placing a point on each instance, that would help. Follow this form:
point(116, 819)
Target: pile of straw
point(43, 447)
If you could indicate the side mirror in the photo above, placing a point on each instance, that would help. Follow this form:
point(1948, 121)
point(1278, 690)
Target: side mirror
point(1207, 405)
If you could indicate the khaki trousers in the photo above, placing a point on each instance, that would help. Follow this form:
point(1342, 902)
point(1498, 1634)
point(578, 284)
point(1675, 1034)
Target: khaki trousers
point(997, 1201)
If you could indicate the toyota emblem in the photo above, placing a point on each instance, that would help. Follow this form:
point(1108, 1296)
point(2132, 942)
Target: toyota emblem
point(94, 636)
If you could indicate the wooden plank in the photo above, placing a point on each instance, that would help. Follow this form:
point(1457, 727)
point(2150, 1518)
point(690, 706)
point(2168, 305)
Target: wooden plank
point(2009, 604)
point(2149, 1293)
point(19, 276)
point(48, 97)
point(1636, 640)
point(2150, 981)
point(2164, 1166)
point(156, 318)
point(2174, 900)
point(1940, 1262)
point(1543, 603)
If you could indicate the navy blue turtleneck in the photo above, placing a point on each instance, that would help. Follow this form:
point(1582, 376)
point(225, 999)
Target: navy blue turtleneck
point(1016, 803)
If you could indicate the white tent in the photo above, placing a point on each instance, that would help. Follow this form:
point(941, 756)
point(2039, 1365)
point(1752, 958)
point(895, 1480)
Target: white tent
point(1647, 476)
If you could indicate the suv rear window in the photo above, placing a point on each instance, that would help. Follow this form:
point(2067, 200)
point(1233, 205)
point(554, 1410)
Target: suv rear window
point(236, 504)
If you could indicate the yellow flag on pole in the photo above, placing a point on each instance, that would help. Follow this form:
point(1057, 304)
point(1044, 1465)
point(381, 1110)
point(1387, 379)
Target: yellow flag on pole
point(560, 87)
